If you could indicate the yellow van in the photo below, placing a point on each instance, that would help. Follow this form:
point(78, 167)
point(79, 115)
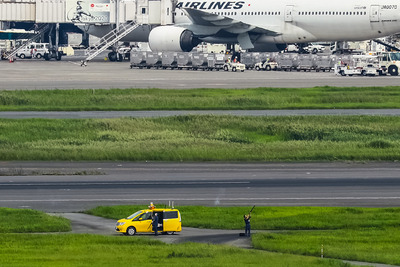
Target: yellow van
point(169, 222)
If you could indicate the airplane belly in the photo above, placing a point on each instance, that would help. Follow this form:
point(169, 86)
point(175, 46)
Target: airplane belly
point(295, 34)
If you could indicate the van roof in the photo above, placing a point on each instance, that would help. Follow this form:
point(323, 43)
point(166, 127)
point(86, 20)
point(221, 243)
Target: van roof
point(159, 210)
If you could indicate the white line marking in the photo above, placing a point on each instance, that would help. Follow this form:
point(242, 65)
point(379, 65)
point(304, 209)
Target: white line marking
point(200, 199)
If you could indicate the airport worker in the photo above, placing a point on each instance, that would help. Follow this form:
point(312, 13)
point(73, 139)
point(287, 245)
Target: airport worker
point(155, 224)
point(247, 224)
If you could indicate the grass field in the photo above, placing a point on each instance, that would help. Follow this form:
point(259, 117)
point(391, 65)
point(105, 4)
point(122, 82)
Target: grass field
point(203, 138)
point(201, 99)
point(93, 250)
point(30, 221)
point(360, 234)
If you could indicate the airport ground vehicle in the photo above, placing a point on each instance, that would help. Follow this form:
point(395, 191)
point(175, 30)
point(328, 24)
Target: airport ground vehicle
point(266, 65)
point(234, 66)
point(348, 70)
point(33, 50)
point(389, 63)
point(314, 48)
point(369, 65)
point(169, 221)
point(53, 52)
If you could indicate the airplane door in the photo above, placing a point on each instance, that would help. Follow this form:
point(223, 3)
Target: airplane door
point(289, 13)
point(374, 13)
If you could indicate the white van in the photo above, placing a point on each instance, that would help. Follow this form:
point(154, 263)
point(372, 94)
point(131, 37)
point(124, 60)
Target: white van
point(33, 50)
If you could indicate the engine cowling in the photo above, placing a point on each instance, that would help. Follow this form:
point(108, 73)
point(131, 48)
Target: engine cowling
point(171, 38)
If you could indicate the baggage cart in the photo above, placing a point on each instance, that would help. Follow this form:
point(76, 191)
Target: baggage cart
point(153, 60)
point(138, 59)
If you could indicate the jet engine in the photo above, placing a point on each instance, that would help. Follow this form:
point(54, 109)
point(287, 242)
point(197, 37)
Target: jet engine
point(172, 38)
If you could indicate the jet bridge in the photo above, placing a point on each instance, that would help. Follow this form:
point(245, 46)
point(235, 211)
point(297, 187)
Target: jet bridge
point(153, 12)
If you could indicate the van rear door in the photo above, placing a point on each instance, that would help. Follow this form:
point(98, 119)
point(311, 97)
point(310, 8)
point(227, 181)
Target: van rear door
point(172, 221)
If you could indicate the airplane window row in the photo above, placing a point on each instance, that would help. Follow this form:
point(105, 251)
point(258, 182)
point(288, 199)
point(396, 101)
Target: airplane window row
point(332, 13)
point(247, 13)
point(261, 13)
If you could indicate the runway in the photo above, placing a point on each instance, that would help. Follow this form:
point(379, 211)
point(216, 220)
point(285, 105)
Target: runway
point(67, 74)
point(211, 184)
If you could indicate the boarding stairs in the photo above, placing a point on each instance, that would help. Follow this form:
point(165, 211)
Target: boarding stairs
point(389, 45)
point(28, 39)
point(108, 40)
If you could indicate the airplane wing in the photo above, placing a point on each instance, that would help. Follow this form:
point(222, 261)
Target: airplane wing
point(212, 23)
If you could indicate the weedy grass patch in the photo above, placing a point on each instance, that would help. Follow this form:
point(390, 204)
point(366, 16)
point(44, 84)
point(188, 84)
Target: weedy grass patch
point(31, 221)
point(201, 99)
point(94, 250)
point(203, 138)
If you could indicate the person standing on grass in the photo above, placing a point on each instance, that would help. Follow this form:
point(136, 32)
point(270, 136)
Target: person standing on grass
point(155, 224)
point(247, 224)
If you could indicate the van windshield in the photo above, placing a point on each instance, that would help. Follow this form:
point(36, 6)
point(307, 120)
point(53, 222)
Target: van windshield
point(395, 56)
point(135, 214)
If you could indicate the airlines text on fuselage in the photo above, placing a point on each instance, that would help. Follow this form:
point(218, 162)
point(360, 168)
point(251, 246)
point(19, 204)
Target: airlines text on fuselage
point(211, 5)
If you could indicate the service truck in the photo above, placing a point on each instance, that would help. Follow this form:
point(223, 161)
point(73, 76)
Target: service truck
point(389, 63)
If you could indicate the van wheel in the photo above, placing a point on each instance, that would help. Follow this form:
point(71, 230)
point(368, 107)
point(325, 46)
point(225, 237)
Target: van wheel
point(393, 70)
point(131, 231)
point(168, 233)
point(22, 56)
point(39, 56)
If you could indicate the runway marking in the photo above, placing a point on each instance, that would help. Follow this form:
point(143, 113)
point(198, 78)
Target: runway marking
point(116, 183)
point(75, 63)
point(200, 199)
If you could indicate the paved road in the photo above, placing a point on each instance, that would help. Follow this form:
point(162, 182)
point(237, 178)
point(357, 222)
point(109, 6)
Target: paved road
point(219, 184)
point(83, 223)
point(65, 74)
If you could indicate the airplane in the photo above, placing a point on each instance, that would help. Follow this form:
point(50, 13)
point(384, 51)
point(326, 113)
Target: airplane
point(268, 26)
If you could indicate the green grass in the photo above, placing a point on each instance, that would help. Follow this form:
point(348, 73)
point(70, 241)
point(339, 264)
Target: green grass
point(203, 138)
point(379, 245)
point(201, 99)
point(92, 250)
point(271, 218)
point(30, 221)
point(360, 234)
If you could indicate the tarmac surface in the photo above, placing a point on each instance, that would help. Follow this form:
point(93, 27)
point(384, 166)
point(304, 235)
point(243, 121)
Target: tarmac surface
point(83, 223)
point(33, 74)
point(77, 186)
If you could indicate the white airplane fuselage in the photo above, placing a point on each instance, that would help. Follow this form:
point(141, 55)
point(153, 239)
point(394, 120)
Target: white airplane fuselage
point(264, 25)
point(310, 20)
